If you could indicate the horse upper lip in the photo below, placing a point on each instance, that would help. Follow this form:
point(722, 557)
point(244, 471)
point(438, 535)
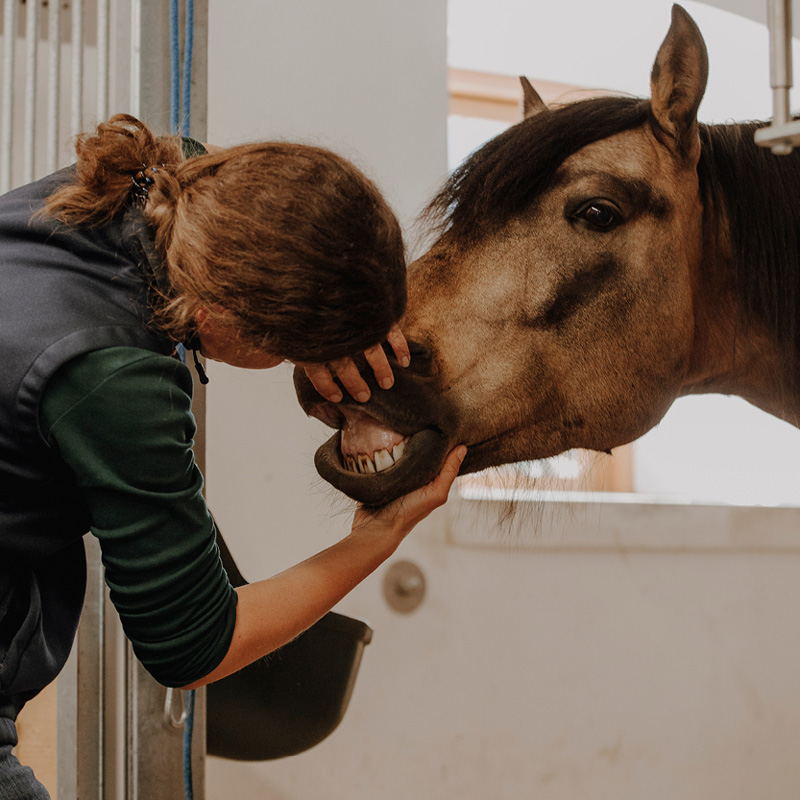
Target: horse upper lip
point(404, 408)
point(333, 414)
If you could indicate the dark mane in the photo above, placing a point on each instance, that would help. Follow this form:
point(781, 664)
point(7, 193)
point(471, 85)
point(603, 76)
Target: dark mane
point(758, 191)
point(505, 175)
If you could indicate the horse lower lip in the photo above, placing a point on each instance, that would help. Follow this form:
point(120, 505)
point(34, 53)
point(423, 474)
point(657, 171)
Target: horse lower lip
point(424, 453)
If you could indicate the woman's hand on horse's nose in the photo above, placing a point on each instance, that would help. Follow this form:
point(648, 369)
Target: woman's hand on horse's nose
point(399, 345)
point(376, 357)
point(345, 369)
point(322, 376)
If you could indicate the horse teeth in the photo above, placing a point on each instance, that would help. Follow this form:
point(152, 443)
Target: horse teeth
point(398, 450)
point(383, 460)
point(365, 464)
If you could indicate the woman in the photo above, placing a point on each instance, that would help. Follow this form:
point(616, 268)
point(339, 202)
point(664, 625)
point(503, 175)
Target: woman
point(252, 255)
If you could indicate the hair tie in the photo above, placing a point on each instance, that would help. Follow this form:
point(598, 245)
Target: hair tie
point(141, 181)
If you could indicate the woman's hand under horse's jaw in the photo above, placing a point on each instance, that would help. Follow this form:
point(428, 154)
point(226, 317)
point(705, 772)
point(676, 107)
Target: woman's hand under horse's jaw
point(345, 369)
point(400, 516)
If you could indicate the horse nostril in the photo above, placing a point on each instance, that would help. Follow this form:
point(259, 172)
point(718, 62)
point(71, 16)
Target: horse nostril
point(421, 358)
point(419, 349)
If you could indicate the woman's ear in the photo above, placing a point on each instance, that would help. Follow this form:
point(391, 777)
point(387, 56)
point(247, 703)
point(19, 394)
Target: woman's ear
point(215, 313)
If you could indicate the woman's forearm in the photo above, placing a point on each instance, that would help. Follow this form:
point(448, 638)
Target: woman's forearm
point(274, 611)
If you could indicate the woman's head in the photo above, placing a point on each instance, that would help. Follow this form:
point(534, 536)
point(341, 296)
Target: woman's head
point(289, 245)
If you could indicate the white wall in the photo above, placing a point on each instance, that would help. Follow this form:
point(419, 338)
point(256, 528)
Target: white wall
point(366, 79)
point(621, 654)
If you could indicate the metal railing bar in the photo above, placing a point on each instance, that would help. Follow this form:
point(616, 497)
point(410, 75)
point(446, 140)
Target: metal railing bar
point(31, 50)
point(779, 22)
point(53, 82)
point(135, 99)
point(103, 58)
point(6, 134)
point(77, 67)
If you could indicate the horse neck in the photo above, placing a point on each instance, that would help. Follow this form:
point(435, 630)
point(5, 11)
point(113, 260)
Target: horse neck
point(748, 283)
point(733, 353)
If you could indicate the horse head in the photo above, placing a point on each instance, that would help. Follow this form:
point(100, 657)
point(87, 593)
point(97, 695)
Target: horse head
point(563, 304)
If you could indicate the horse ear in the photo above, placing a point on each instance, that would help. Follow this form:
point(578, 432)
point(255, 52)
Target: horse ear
point(677, 83)
point(532, 102)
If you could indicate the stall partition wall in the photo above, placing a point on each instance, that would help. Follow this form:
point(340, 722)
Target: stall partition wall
point(60, 73)
point(64, 66)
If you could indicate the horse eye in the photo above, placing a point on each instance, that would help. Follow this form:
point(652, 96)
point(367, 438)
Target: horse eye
point(601, 216)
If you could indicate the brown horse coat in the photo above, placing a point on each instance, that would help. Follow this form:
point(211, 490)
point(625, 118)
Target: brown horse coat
point(596, 261)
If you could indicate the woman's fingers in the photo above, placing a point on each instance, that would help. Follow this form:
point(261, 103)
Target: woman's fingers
point(399, 346)
point(452, 464)
point(376, 358)
point(320, 376)
point(351, 379)
point(435, 493)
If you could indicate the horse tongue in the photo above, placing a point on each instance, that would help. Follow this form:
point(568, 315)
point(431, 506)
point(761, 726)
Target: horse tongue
point(362, 433)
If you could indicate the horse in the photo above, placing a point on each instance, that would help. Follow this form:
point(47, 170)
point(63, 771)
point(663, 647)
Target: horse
point(593, 263)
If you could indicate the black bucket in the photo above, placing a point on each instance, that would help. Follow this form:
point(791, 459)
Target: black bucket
point(293, 698)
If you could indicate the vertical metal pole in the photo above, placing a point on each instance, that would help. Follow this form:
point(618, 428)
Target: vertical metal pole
point(6, 136)
point(31, 49)
point(80, 695)
point(102, 59)
point(53, 82)
point(779, 21)
point(135, 89)
point(155, 744)
point(76, 117)
point(150, 63)
point(198, 127)
point(154, 747)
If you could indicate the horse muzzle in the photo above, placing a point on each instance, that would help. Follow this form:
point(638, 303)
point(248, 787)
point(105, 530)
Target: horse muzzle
point(387, 447)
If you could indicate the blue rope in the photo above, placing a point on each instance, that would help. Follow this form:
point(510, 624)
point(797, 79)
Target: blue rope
point(180, 97)
point(183, 125)
point(188, 44)
point(175, 71)
point(187, 746)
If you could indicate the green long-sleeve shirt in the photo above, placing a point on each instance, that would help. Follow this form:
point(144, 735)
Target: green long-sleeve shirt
point(121, 419)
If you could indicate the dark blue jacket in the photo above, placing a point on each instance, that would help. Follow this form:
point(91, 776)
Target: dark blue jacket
point(63, 292)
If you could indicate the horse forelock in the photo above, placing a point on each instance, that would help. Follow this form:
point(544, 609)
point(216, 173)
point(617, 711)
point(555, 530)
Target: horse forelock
point(756, 194)
point(505, 175)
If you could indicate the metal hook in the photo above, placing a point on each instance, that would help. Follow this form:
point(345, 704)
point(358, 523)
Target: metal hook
point(169, 710)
